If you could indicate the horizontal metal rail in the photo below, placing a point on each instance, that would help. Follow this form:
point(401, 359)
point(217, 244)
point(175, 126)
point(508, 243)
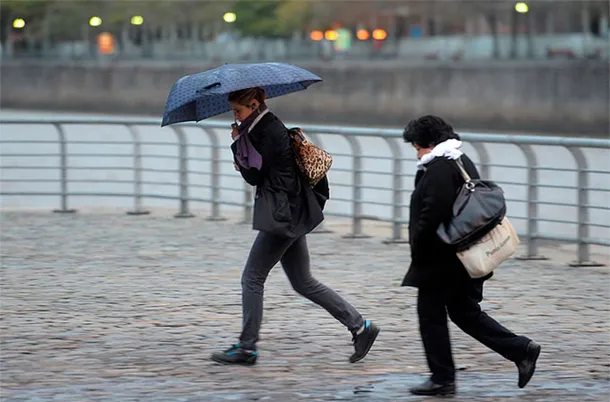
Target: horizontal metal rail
point(173, 166)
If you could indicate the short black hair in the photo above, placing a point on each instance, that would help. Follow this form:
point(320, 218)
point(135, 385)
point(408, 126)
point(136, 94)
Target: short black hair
point(428, 131)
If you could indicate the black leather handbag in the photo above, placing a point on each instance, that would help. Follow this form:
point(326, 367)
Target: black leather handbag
point(278, 213)
point(478, 208)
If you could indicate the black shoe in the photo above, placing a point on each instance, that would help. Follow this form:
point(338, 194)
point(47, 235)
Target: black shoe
point(236, 354)
point(527, 366)
point(431, 388)
point(364, 341)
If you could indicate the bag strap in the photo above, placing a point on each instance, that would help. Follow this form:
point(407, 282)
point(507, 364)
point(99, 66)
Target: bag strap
point(463, 171)
point(296, 133)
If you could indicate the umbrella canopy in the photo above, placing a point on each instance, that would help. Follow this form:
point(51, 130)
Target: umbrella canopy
point(199, 96)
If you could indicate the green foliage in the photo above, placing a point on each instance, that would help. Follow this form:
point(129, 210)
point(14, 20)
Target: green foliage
point(25, 7)
point(256, 18)
point(272, 18)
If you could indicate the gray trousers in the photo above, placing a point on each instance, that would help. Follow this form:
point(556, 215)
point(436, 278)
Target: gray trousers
point(266, 252)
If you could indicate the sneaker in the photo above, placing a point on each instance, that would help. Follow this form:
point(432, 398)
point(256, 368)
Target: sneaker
point(364, 341)
point(236, 354)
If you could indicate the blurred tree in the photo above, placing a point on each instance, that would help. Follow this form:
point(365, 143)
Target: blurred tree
point(273, 18)
point(257, 18)
point(295, 15)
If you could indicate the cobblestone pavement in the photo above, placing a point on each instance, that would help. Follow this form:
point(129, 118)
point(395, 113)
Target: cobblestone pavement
point(108, 307)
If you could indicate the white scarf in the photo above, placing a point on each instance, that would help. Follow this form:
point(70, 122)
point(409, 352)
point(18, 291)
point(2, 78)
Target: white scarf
point(448, 149)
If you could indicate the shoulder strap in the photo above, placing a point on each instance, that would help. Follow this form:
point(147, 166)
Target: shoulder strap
point(465, 175)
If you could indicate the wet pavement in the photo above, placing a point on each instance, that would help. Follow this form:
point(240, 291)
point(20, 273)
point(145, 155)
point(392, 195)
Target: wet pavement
point(100, 306)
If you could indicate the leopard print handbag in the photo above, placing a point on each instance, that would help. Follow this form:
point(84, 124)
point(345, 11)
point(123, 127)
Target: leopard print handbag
point(313, 161)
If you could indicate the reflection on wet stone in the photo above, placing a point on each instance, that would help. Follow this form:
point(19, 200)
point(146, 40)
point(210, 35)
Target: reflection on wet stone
point(102, 307)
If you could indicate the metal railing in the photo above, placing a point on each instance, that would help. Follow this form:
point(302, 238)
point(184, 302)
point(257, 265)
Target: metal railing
point(355, 201)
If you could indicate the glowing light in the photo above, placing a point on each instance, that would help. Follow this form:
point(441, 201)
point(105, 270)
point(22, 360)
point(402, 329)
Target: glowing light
point(316, 35)
point(18, 23)
point(137, 20)
point(105, 43)
point(229, 17)
point(331, 35)
point(521, 7)
point(95, 21)
point(362, 34)
point(380, 34)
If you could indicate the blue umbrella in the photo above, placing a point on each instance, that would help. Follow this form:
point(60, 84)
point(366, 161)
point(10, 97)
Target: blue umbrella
point(199, 96)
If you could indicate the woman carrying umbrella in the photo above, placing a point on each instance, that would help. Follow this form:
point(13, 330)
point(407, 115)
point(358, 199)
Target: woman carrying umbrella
point(285, 210)
point(286, 207)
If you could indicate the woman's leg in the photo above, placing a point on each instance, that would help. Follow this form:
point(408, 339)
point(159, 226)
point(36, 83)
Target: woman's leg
point(296, 265)
point(437, 345)
point(264, 254)
point(434, 330)
point(465, 312)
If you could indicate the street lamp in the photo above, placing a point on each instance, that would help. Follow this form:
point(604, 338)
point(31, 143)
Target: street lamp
point(521, 7)
point(229, 17)
point(380, 34)
point(95, 21)
point(18, 23)
point(316, 36)
point(331, 35)
point(363, 34)
point(137, 20)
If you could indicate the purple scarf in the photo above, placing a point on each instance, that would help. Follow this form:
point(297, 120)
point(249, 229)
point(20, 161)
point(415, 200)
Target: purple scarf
point(246, 155)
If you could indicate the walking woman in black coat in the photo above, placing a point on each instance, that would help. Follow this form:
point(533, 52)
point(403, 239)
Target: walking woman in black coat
point(286, 209)
point(444, 286)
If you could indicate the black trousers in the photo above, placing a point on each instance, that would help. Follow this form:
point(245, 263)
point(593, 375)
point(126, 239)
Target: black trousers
point(462, 306)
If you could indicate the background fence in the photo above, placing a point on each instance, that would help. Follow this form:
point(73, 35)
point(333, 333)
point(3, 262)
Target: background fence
point(556, 188)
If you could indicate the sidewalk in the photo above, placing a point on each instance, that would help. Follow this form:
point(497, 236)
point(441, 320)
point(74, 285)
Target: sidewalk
point(101, 306)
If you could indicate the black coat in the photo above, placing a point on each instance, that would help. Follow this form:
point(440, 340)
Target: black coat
point(284, 203)
point(433, 263)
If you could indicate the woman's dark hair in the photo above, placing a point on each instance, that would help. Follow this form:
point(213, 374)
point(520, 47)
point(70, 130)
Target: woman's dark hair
point(245, 96)
point(428, 131)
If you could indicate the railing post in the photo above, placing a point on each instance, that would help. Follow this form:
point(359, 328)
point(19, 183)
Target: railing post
point(483, 158)
point(396, 194)
point(215, 177)
point(137, 173)
point(356, 189)
point(321, 228)
point(184, 178)
point(63, 170)
point(532, 204)
point(582, 184)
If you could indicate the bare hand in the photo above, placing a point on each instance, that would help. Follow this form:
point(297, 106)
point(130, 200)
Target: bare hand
point(234, 131)
point(236, 166)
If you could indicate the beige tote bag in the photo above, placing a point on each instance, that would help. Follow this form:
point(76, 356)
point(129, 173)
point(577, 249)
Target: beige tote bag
point(489, 252)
